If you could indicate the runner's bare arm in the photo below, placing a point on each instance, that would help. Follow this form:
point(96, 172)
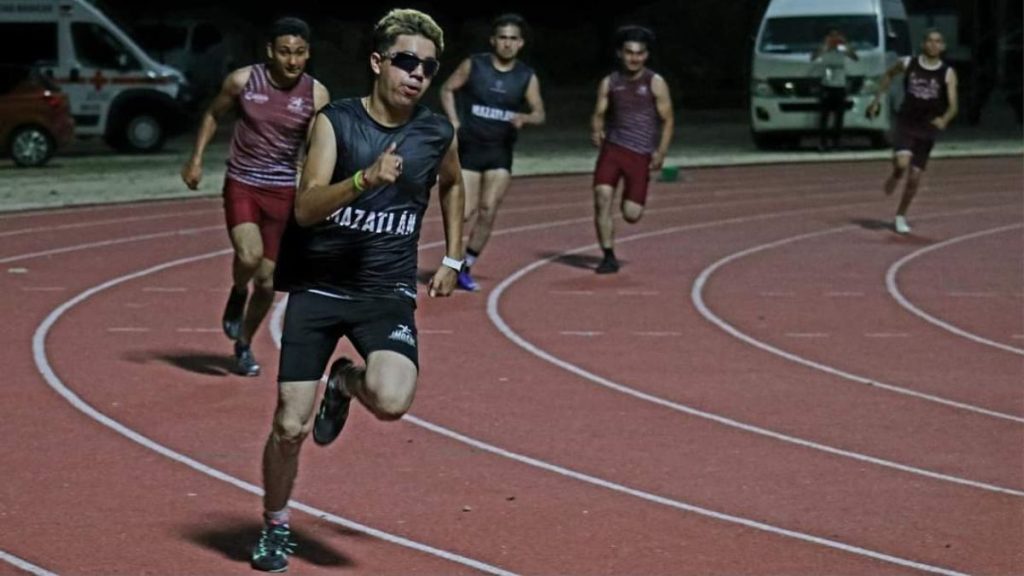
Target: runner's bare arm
point(954, 102)
point(320, 99)
point(226, 99)
point(597, 120)
point(316, 198)
point(883, 87)
point(453, 202)
point(663, 101)
point(534, 101)
point(452, 85)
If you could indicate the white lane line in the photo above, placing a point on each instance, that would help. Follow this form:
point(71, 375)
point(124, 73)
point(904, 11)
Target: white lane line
point(638, 292)
point(887, 334)
point(493, 307)
point(199, 330)
point(42, 288)
point(119, 221)
point(894, 290)
point(585, 333)
point(163, 289)
point(679, 505)
point(129, 329)
point(571, 292)
point(114, 242)
point(657, 334)
point(429, 331)
point(844, 294)
point(807, 334)
point(46, 370)
point(972, 294)
point(276, 322)
point(24, 565)
point(697, 296)
point(776, 294)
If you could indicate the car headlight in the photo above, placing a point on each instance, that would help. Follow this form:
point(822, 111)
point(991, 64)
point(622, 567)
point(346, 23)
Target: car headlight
point(759, 87)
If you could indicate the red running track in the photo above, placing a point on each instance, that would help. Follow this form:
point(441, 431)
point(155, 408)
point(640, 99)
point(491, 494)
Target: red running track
point(748, 396)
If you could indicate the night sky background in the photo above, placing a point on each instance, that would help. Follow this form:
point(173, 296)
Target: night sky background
point(703, 47)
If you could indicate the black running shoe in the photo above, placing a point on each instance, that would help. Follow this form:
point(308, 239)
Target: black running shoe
point(272, 549)
point(608, 265)
point(234, 312)
point(245, 362)
point(334, 407)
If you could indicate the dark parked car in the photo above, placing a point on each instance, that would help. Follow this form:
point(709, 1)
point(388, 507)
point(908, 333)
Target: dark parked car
point(35, 118)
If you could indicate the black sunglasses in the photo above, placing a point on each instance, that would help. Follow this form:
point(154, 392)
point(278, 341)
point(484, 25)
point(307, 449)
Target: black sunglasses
point(410, 62)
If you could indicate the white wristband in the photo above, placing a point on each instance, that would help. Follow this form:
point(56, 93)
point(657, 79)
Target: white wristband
point(452, 263)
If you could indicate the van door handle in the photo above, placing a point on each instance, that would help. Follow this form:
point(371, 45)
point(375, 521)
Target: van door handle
point(75, 75)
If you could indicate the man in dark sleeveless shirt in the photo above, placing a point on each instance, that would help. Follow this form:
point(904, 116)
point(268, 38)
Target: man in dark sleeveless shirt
point(349, 257)
point(492, 88)
point(632, 124)
point(274, 103)
point(930, 102)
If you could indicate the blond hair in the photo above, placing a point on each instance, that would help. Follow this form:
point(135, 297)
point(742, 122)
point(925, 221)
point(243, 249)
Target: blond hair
point(406, 22)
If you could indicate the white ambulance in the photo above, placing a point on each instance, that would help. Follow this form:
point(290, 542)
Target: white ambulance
point(115, 89)
point(784, 83)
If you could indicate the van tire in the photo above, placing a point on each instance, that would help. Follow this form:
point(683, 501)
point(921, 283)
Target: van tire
point(32, 146)
point(138, 132)
point(880, 140)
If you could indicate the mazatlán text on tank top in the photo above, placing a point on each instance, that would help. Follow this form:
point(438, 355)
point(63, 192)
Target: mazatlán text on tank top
point(271, 128)
point(369, 247)
point(490, 99)
point(633, 112)
point(925, 92)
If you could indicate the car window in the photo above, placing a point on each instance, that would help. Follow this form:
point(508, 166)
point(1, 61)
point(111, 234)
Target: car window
point(96, 47)
point(805, 33)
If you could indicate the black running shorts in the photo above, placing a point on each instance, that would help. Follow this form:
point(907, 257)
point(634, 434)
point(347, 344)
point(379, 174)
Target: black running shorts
point(313, 324)
point(478, 157)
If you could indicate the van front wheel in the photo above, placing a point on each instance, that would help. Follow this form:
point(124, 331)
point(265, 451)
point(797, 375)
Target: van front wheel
point(139, 133)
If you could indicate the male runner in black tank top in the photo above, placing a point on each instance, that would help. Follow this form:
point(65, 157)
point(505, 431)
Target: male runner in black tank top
point(348, 258)
point(492, 88)
point(930, 102)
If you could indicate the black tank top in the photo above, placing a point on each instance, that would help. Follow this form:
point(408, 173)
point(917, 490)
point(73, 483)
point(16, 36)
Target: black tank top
point(368, 248)
point(925, 93)
point(490, 99)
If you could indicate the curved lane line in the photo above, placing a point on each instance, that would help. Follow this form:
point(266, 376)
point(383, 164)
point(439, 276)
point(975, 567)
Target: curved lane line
point(894, 290)
point(697, 297)
point(508, 332)
point(46, 370)
point(24, 565)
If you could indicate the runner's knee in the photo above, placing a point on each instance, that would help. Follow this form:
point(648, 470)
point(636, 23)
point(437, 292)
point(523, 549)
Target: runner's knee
point(391, 397)
point(289, 431)
point(250, 257)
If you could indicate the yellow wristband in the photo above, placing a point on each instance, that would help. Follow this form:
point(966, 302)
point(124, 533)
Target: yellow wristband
point(357, 181)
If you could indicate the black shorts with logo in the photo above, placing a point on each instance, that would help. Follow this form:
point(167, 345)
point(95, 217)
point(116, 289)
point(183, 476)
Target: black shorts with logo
point(313, 324)
point(479, 157)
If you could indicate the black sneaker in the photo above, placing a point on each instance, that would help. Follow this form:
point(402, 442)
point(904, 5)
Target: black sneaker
point(334, 407)
point(245, 362)
point(234, 312)
point(608, 265)
point(272, 549)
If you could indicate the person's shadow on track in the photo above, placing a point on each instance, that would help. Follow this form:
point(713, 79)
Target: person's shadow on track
point(584, 261)
point(198, 362)
point(235, 538)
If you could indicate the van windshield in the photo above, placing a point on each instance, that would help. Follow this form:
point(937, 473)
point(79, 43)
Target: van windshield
point(805, 33)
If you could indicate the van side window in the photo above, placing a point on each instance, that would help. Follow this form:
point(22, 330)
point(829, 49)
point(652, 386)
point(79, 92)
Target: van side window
point(28, 43)
point(96, 47)
point(897, 34)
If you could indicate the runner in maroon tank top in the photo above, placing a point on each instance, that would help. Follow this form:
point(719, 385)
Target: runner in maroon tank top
point(275, 103)
point(632, 124)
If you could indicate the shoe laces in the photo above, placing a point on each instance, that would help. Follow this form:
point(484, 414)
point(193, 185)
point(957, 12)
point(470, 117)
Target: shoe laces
point(275, 539)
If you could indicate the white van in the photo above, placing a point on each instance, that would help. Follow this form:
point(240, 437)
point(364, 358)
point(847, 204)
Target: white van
point(115, 89)
point(784, 82)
